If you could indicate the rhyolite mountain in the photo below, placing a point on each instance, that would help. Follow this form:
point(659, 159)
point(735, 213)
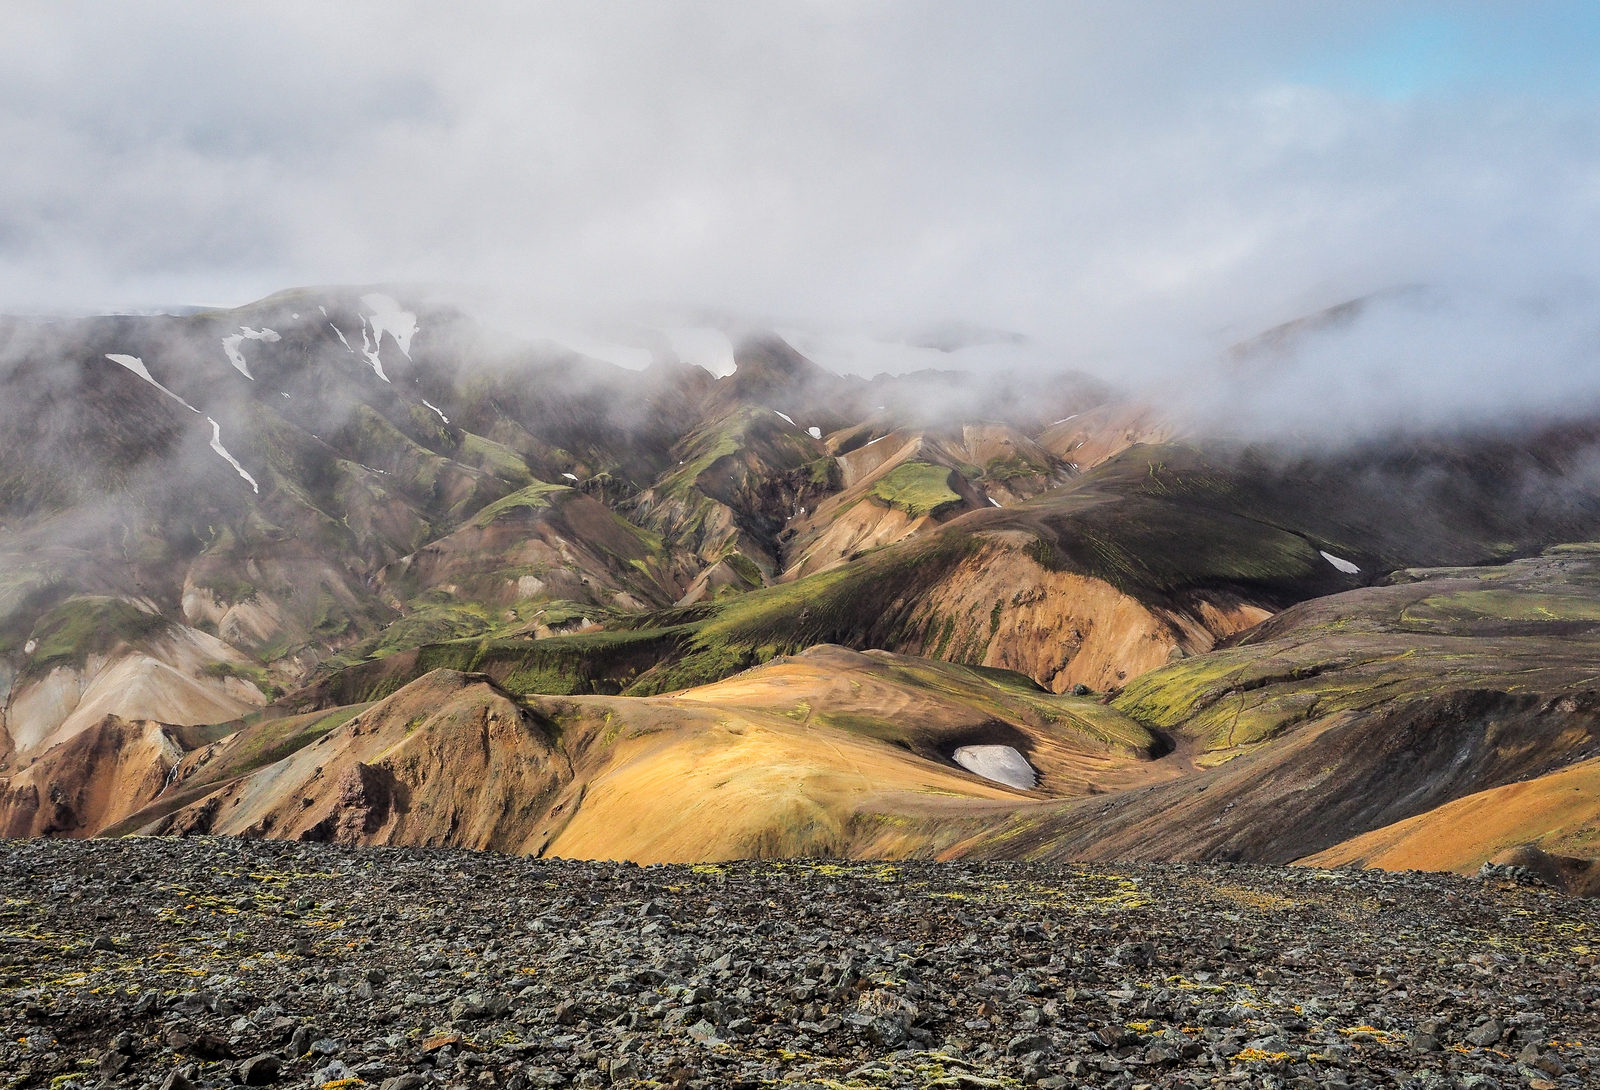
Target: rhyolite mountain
point(345, 564)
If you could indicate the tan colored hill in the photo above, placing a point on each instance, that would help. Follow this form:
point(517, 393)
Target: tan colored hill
point(91, 658)
point(91, 781)
point(1097, 435)
point(1558, 813)
point(897, 484)
point(830, 752)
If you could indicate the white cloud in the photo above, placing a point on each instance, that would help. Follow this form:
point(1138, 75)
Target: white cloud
point(1131, 185)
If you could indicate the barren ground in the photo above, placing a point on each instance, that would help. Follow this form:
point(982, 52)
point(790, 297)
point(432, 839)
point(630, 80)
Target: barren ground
point(201, 962)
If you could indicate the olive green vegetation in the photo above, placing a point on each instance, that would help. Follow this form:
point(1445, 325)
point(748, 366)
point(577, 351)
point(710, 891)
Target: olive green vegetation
point(1149, 546)
point(433, 618)
point(1010, 467)
point(256, 675)
point(704, 447)
point(493, 458)
point(1003, 692)
point(745, 567)
point(532, 497)
point(1506, 605)
point(825, 472)
point(865, 604)
point(1535, 627)
point(594, 663)
point(1158, 520)
point(918, 489)
point(89, 625)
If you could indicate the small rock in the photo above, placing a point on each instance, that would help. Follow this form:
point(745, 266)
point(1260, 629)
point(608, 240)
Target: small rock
point(886, 1032)
point(402, 1082)
point(1024, 1043)
point(261, 1069)
point(1487, 1034)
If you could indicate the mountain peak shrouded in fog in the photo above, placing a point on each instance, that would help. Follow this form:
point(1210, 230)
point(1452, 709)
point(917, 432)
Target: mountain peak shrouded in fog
point(1104, 188)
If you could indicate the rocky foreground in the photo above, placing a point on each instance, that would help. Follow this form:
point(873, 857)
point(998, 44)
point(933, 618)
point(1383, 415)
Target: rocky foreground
point(195, 963)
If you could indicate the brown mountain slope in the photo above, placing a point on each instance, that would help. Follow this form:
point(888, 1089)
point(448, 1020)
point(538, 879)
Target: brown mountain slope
point(1559, 813)
point(93, 657)
point(1355, 712)
point(93, 780)
point(900, 483)
point(813, 755)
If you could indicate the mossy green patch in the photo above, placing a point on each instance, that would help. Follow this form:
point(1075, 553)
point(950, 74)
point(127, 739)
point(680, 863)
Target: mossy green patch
point(532, 497)
point(492, 458)
point(89, 625)
point(1504, 605)
point(256, 675)
point(918, 488)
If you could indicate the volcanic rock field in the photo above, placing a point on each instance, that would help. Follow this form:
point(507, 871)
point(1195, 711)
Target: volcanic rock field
point(205, 962)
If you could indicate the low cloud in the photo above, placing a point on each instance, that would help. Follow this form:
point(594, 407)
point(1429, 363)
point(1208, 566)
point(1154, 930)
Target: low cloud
point(1133, 188)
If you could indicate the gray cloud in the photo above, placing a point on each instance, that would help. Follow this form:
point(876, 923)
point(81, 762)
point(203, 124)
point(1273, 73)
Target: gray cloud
point(1134, 186)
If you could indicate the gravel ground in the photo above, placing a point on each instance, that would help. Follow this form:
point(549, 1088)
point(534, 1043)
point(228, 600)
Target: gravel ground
point(210, 962)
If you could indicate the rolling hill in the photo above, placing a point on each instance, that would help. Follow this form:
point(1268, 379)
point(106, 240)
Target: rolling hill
point(345, 565)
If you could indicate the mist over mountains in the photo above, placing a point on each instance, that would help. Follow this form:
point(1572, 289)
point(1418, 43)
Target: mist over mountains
point(873, 430)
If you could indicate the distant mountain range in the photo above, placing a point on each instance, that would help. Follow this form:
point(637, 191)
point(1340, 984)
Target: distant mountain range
point(345, 565)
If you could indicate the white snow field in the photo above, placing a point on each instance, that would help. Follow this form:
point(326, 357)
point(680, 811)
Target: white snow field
point(1002, 764)
point(136, 365)
point(1342, 564)
point(216, 445)
point(230, 345)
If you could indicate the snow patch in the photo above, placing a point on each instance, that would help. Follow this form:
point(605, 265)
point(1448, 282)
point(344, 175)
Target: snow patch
point(369, 350)
point(216, 445)
point(342, 341)
point(815, 433)
point(324, 311)
point(136, 365)
point(1342, 564)
point(1064, 419)
point(879, 439)
point(994, 501)
point(28, 648)
point(436, 409)
point(386, 317)
point(569, 476)
point(1002, 764)
point(230, 345)
point(786, 416)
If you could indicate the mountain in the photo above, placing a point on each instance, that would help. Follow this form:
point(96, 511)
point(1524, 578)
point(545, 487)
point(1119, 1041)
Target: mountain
point(346, 565)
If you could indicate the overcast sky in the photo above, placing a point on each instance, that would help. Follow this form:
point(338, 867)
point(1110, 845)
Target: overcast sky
point(1126, 182)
